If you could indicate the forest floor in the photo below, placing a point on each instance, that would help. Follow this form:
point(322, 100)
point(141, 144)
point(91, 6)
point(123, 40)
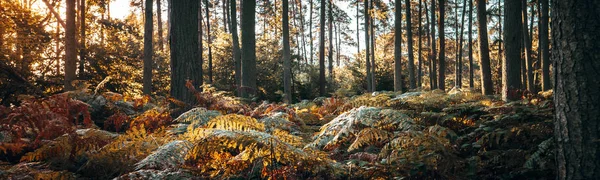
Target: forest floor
point(85, 134)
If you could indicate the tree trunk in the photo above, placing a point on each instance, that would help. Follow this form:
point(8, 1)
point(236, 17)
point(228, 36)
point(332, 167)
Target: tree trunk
point(70, 46)
point(373, 42)
point(574, 31)
point(236, 46)
point(287, 65)
point(330, 48)
point(148, 51)
point(209, 39)
point(433, 48)
point(310, 28)
point(484, 51)
point(185, 62)
point(357, 27)
point(82, 40)
point(322, 50)
point(367, 49)
point(248, 70)
point(223, 6)
point(527, 43)
point(471, 69)
point(411, 58)
point(159, 25)
point(512, 43)
point(420, 51)
point(302, 31)
point(545, 47)
point(442, 39)
point(398, 47)
point(460, 48)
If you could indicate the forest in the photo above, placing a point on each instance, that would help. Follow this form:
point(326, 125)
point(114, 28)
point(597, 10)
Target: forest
point(299, 89)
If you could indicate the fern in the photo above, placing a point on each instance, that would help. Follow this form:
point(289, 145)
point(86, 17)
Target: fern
point(370, 136)
point(197, 116)
point(235, 122)
point(170, 155)
point(537, 159)
point(157, 175)
point(279, 121)
point(152, 119)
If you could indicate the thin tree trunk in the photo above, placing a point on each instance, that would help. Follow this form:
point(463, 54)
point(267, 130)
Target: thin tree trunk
point(575, 27)
point(484, 51)
point(409, 38)
point(373, 42)
point(460, 47)
point(420, 53)
point(159, 25)
point(70, 46)
point(512, 40)
point(398, 47)
point(322, 80)
point(223, 6)
point(527, 43)
point(433, 47)
point(471, 69)
point(357, 27)
point(236, 45)
point(368, 49)
point(302, 31)
point(82, 40)
point(330, 48)
point(287, 65)
point(148, 51)
point(442, 39)
point(544, 45)
point(248, 70)
point(337, 46)
point(209, 39)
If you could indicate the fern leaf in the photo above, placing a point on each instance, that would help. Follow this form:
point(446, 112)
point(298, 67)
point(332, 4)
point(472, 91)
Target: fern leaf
point(370, 136)
point(235, 122)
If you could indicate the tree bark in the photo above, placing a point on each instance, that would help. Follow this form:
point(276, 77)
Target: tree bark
point(236, 46)
point(322, 50)
point(287, 65)
point(330, 48)
point(471, 69)
point(159, 25)
point(398, 47)
point(82, 40)
point(484, 51)
point(459, 64)
point(209, 39)
point(527, 43)
point(70, 46)
point(420, 51)
point(433, 48)
point(575, 26)
point(186, 64)
point(368, 49)
point(545, 47)
point(373, 43)
point(248, 69)
point(310, 28)
point(148, 51)
point(512, 43)
point(409, 38)
point(442, 39)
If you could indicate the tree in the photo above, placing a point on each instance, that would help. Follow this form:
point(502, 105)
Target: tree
point(471, 69)
point(330, 47)
point(367, 50)
point(148, 51)
point(432, 74)
point(544, 46)
point(458, 73)
point(310, 19)
point(484, 51)
point(527, 48)
point(575, 41)
point(248, 70)
point(512, 44)
point(322, 50)
point(372, 41)
point(209, 39)
point(70, 45)
point(83, 38)
point(159, 25)
point(185, 62)
point(287, 65)
point(442, 39)
point(398, 47)
point(420, 51)
point(411, 58)
point(236, 45)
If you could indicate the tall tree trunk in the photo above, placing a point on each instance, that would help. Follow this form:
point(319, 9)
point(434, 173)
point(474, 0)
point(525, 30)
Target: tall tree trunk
point(409, 38)
point(302, 31)
point(330, 48)
point(322, 50)
point(159, 25)
point(236, 45)
point(223, 6)
point(420, 51)
point(357, 27)
point(148, 51)
point(459, 66)
point(248, 70)
point(398, 46)
point(545, 47)
point(471, 69)
point(484, 51)
point(82, 40)
point(433, 48)
point(310, 30)
point(70, 46)
point(442, 39)
point(287, 65)
point(373, 43)
point(337, 45)
point(500, 46)
point(527, 43)
point(368, 49)
point(512, 43)
point(209, 39)
point(185, 62)
point(575, 27)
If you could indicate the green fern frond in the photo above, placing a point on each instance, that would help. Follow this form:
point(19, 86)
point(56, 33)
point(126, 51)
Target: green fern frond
point(537, 158)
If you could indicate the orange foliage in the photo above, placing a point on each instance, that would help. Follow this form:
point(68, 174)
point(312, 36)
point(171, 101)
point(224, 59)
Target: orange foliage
point(151, 120)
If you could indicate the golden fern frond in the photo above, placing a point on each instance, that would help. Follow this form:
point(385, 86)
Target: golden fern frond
point(285, 136)
point(370, 136)
point(235, 122)
point(197, 115)
point(380, 100)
